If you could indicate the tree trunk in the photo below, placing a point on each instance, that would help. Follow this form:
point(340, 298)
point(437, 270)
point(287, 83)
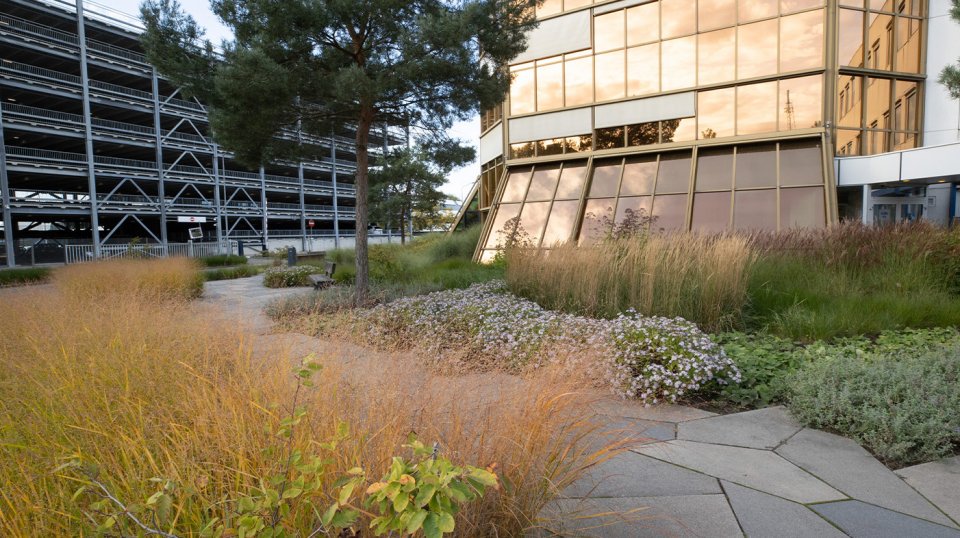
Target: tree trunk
point(363, 187)
point(402, 237)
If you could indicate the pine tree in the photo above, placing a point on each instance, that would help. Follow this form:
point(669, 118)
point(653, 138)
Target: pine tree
point(321, 65)
point(950, 76)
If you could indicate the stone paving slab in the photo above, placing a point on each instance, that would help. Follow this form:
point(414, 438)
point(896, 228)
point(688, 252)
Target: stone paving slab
point(616, 407)
point(763, 515)
point(758, 469)
point(846, 466)
point(634, 431)
point(939, 482)
point(861, 520)
point(686, 516)
point(632, 475)
point(763, 428)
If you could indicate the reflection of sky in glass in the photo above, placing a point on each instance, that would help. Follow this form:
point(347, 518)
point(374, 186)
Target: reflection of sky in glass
point(757, 108)
point(643, 69)
point(757, 49)
point(534, 219)
point(550, 86)
point(560, 226)
point(715, 111)
point(801, 41)
point(516, 186)
point(544, 183)
point(522, 92)
point(678, 17)
point(850, 47)
point(806, 102)
point(679, 63)
point(643, 24)
point(717, 14)
point(751, 10)
point(608, 31)
point(717, 56)
point(610, 76)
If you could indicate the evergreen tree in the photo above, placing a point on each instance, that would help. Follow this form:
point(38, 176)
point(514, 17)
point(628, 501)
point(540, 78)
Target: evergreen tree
point(950, 76)
point(409, 183)
point(320, 65)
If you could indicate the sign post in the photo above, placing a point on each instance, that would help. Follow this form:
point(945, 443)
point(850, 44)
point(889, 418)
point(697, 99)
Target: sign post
point(311, 224)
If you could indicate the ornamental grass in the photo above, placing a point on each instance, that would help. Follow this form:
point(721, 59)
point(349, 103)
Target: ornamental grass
point(97, 369)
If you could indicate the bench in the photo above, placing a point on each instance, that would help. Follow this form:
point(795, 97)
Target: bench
point(322, 280)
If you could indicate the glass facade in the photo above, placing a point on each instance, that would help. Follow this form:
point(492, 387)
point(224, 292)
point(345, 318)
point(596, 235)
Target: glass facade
point(751, 154)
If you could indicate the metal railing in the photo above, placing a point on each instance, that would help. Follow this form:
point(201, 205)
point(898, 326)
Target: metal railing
point(85, 253)
point(26, 27)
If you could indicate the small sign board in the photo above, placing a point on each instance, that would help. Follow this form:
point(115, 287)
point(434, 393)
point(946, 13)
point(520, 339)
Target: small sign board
point(196, 233)
point(192, 219)
point(310, 223)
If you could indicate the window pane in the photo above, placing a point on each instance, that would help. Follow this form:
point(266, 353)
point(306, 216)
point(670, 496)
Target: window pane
point(573, 4)
point(878, 103)
point(757, 49)
point(711, 211)
point(756, 166)
point(643, 69)
point(850, 48)
point(610, 75)
point(498, 235)
point(755, 210)
point(717, 14)
point(610, 138)
point(849, 101)
point(606, 179)
point(717, 58)
point(715, 169)
point(544, 183)
point(522, 150)
point(880, 40)
point(534, 219)
point(560, 226)
point(751, 10)
point(801, 103)
point(670, 212)
point(517, 182)
point(608, 31)
point(633, 211)
point(577, 144)
point(801, 41)
point(801, 163)
point(906, 96)
point(848, 142)
point(571, 181)
point(682, 130)
point(674, 173)
point(522, 92)
point(908, 45)
point(715, 113)
point(679, 63)
point(643, 24)
point(639, 175)
point(757, 108)
point(802, 208)
point(679, 17)
point(550, 86)
point(643, 134)
point(597, 219)
point(579, 80)
point(790, 6)
point(550, 147)
point(852, 3)
point(549, 7)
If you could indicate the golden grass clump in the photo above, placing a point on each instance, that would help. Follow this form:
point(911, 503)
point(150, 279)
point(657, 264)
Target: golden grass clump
point(158, 279)
point(701, 278)
point(142, 388)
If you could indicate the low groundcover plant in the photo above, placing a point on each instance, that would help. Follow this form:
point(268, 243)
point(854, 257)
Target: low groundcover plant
point(652, 359)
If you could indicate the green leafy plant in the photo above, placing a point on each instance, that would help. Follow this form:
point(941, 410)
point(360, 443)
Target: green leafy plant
point(223, 260)
point(288, 277)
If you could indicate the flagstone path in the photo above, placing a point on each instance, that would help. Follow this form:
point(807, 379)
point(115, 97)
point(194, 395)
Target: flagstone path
point(691, 473)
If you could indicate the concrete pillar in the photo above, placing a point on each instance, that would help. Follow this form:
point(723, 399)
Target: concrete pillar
point(5, 200)
point(88, 134)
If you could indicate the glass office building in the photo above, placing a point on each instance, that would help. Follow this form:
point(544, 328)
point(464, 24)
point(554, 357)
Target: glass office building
point(706, 115)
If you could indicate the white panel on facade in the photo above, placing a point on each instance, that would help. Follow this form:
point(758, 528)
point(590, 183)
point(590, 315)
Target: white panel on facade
point(932, 162)
point(882, 168)
point(551, 125)
point(558, 35)
point(491, 144)
point(941, 115)
point(663, 107)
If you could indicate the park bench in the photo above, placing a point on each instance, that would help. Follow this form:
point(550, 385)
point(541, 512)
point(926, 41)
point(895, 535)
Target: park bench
point(322, 280)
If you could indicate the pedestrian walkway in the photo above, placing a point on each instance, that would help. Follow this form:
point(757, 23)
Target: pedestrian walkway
point(759, 473)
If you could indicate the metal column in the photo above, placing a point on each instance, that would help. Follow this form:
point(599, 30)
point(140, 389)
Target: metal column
point(88, 134)
point(336, 211)
point(303, 208)
point(161, 190)
point(5, 196)
point(221, 224)
point(263, 204)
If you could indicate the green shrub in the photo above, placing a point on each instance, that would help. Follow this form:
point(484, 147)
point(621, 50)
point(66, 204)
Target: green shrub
point(288, 277)
point(764, 362)
point(903, 407)
point(223, 260)
point(27, 275)
point(230, 273)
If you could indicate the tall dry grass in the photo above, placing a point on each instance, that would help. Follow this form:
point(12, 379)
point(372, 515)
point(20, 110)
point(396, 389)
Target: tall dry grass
point(701, 278)
point(159, 279)
point(145, 388)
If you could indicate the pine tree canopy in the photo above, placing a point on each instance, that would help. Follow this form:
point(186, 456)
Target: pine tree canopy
point(323, 65)
point(950, 76)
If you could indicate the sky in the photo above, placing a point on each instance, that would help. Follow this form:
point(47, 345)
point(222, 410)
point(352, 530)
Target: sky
point(460, 181)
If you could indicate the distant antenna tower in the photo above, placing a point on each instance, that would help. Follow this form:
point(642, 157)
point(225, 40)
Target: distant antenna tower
point(790, 112)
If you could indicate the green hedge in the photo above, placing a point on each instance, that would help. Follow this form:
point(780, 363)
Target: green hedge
point(224, 260)
point(27, 275)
